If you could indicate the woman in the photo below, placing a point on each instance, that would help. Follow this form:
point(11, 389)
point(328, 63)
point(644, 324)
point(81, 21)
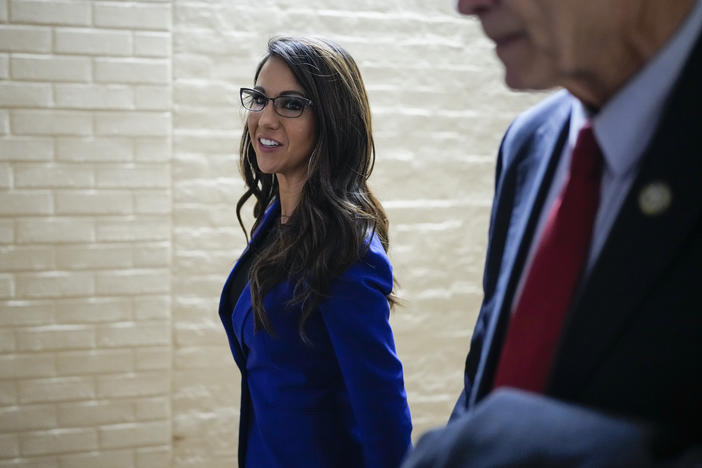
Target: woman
point(306, 306)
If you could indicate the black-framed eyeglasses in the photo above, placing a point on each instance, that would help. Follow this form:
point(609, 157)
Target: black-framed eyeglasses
point(285, 105)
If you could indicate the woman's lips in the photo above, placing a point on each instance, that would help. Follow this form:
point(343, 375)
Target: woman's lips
point(267, 144)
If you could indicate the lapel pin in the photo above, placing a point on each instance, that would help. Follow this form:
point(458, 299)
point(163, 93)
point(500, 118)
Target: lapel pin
point(655, 198)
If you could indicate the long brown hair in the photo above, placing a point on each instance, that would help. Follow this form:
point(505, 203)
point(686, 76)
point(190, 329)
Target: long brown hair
point(337, 213)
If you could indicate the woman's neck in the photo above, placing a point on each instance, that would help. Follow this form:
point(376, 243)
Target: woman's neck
point(290, 192)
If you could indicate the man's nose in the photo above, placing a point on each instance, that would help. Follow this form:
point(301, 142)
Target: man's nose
point(474, 7)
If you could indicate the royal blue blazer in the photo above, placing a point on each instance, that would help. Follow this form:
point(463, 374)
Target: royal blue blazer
point(337, 402)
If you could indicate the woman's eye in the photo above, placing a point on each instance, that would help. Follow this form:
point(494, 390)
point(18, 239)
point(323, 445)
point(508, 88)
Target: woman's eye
point(293, 104)
point(259, 99)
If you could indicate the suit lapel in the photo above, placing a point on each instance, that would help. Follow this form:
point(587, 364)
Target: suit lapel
point(531, 176)
point(642, 243)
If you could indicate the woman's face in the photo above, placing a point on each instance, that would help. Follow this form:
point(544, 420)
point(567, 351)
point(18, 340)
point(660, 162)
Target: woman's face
point(282, 144)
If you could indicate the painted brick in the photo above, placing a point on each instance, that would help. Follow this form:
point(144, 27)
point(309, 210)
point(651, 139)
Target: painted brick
point(153, 98)
point(153, 457)
point(134, 334)
point(133, 123)
point(25, 203)
point(96, 202)
point(8, 389)
point(134, 435)
point(152, 150)
point(94, 97)
point(55, 284)
point(32, 462)
point(187, 65)
point(27, 418)
point(142, 229)
point(94, 362)
point(42, 122)
point(7, 341)
point(133, 385)
point(139, 176)
point(133, 16)
point(5, 176)
point(74, 13)
point(3, 11)
point(219, 193)
point(57, 389)
point(9, 445)
point(27, 366)
point(153, 408)
point(150, 44)
point(94, 149)
point(220, 119)
point(7, 231)
point(152, 202)
point(93, 310)
point(7, 286)
point(133, 282)
point(20, 258)
point(58, 441)
point(55, 230)
point(51, 68)
point(190, 334)
point(185, 308)
point(53, 176)
point(85, 257)
point(95, 413)
point(207, 93)
point(189, 262)
point(92, 42)
point(4, 122)
point(152, 255)
point(102, 459)
point(25, 95)
point(4, 66)
point(26, 149)
point(152, 308)
point(55, 337)
point(153, 358)
point(154, 71)
point(25, 39)
point(24, 313)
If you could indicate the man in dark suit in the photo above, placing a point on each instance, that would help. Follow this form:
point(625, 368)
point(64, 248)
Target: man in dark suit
point(588, 347)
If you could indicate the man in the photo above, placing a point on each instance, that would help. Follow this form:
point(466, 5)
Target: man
point(588, 347)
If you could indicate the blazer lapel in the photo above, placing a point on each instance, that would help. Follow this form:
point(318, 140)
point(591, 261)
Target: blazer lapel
point(642, 241)
point(530, 181)
point(228, 303)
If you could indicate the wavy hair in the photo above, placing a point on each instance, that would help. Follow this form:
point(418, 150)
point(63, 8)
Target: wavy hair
point(337, 213)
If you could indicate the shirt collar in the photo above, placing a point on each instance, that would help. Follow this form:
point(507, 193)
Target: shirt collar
point(625, 125)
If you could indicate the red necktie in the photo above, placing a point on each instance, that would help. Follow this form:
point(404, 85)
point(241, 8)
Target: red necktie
point(561, 253)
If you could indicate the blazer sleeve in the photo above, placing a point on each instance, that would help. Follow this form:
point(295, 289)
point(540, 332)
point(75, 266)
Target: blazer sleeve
point(356, 316)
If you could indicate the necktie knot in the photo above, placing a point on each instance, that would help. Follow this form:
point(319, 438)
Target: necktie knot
point(587, 159)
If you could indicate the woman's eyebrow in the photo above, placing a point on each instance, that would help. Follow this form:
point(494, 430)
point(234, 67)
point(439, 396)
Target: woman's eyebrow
point(282, 93)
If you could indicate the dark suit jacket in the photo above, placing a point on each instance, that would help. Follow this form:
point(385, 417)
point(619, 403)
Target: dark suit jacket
point(337, 402)
point(631, 345)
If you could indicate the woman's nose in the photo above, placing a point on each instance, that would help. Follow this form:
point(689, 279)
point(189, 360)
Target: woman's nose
point(268, 117)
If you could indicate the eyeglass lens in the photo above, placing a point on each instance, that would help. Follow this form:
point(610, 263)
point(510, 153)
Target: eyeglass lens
point(286, 106)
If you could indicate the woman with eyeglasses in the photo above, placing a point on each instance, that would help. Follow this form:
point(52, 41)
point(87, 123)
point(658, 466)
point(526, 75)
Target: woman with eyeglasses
point(306, 306)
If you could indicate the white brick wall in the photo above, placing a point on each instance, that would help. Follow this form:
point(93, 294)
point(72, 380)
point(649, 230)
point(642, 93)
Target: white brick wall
point(119, 127)
point(85, 229)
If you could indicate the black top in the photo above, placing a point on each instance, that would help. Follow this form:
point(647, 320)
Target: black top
point(243, 274)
